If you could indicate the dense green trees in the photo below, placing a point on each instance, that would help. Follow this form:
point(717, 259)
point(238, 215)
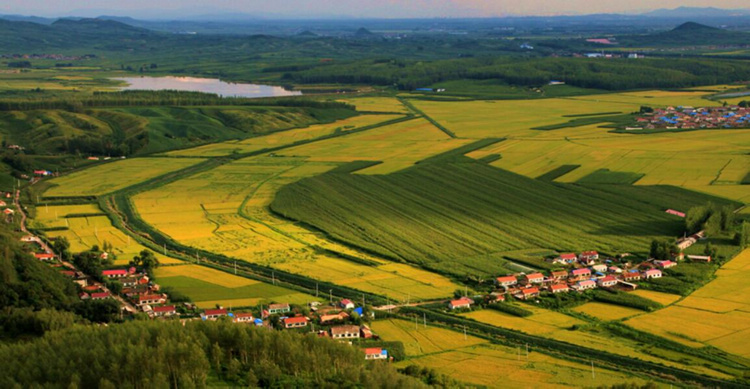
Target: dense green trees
point(145, 260)
point(711, 218)
point(663, 249)
point(166, 354)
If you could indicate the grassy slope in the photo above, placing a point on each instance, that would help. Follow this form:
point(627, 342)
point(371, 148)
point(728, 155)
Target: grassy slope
point(439, 214)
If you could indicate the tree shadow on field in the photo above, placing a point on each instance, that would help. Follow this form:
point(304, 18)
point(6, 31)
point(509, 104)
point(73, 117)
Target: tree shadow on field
point(642, 228)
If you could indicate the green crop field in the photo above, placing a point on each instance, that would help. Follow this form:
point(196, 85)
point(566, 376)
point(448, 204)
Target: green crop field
point(208, 287)
point(438, 214)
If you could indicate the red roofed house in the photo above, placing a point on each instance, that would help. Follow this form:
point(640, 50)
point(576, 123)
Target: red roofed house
point(506, 281)
point(568, 257)
point(298, 321)
point(533, 278)
point(462, 303)
point(583, 272)
point(164, 311)
point(3, 204)
point(528, 293)
point(244, 318)
point(346, 304)
point(8, 211)
point(665, 264)
point(375, 353)
point(652, 273)
point(607, 282)
point(213, 314)
point(366, 332)
point(150, 299)
point(100, 296)
point(117, 273)
point(559, 288)
point(44, 257)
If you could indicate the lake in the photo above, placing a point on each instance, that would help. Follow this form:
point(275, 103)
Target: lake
point(206, 85)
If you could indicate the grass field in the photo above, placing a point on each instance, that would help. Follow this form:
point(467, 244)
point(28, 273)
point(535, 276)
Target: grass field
point(377, 104)
point(718, 313)
point(607, 311)
point(84, 232)
point(110, 177)
point(281, 138)
point(208, 287)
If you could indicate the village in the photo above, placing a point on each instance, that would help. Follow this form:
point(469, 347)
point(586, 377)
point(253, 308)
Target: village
point(690, 118)
point(587, 271)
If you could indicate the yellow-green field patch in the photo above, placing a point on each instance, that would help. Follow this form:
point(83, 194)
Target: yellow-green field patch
point(607, 311)
point(113, 176)
point(659, 297)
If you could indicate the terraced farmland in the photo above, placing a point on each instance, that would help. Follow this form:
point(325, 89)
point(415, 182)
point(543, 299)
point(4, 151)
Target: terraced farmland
point(439, 214)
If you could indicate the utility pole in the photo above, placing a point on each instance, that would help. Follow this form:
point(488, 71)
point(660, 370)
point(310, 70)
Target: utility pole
point(330, 296)
point(316, 289)
point(235, 267)
point(465, 338)
point(593, 376)
point(527, 351)
point(425, 319)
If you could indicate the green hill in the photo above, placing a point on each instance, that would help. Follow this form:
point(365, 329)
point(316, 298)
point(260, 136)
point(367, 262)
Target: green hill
point(689, 34)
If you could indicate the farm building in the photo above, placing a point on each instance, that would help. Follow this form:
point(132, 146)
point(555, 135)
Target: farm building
point(295, 322)
point(213, 314)
point(346, 304)
point(375, 353)
point(600, 268)
point(149, 299)
point(278, 308)
point(568, 257)
point(652, 273)
point(462, 303)
point(528, 293)
point(100, 296)
point(588, 256)
point(244, 317)
point(118, 273)
point(632, 275)
point(533, 278)
point(164, 311)
point(345, 332)
point(341, 316)
point(665, 264)
point(585, 284)
point(8, 211)
point(676, 213)
point(577, 273)
point(506, 281)
point(559, 288)
point(559, 275)
point(607, 282)
point(45, 257)
point(699, 258)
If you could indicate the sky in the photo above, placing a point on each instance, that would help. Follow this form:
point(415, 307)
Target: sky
point(163, 9)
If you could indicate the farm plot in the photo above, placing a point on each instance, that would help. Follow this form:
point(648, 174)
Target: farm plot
point(281, 138)
point(439, 214)
point(55, 216)
point(420, 340)
point(85, 232)
point(377, 104)
point(398, 146)
point(607, 311)
point(110, 177)
point(718, 313)
point(225, 211)
point(208, 287)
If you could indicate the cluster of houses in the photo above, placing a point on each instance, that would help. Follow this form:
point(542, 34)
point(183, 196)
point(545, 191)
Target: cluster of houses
point(587, 273)
point(144, 294)
point(7, 211)
point(334, 321)
point(685, 117)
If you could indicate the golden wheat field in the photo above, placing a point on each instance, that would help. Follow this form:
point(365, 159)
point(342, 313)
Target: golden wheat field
point(606, 311)
point(718, 313)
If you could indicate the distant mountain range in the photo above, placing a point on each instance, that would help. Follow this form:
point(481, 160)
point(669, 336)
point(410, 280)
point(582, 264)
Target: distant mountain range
point(697, 12)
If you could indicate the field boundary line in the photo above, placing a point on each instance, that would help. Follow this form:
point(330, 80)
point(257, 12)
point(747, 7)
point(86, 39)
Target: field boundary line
point(427, 117)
